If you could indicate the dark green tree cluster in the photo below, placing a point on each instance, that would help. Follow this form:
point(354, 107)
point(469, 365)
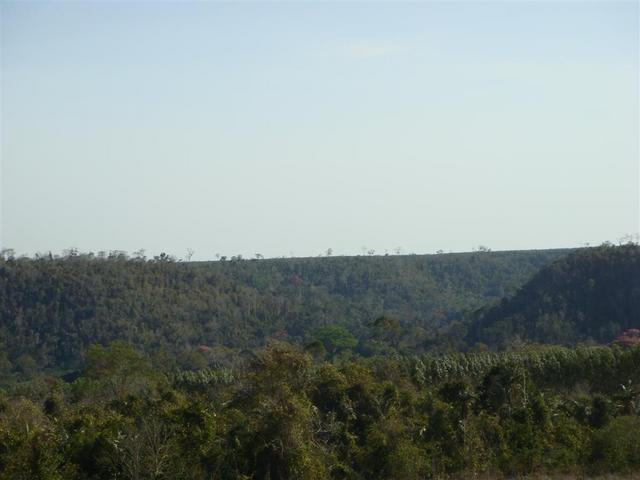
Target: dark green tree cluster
point(590, 295)
point(280, 415)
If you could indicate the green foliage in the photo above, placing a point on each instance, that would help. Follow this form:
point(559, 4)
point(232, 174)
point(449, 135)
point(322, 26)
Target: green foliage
point(116, 371)
point(590, 295)
point(617, 446)
point(156, 395)
point(335, 338)
point(280, 416)
point(601, 368)
point(387, 329)
point(52, 309)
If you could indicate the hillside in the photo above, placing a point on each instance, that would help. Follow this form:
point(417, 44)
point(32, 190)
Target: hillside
point(589, 295)
point(52, 309)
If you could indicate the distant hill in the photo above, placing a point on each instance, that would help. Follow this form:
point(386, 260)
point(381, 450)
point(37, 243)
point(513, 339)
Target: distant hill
point(51, 309)
point(589, 295)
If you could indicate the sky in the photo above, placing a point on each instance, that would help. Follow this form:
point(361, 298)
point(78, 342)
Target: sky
point(286, 129)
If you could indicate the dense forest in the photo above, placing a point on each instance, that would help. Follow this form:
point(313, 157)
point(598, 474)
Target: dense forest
point(52, 309)
point(479, 365)
point(280, 415)
point(590, 295)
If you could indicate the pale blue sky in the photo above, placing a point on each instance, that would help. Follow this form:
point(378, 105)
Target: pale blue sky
point(286, 128)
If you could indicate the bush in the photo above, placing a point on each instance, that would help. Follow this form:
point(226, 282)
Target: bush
point(617, 446)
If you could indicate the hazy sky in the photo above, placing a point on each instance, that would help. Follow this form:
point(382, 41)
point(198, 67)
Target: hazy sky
point(290, 128)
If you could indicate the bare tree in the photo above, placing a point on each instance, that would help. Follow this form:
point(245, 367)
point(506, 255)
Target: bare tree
point(140, 255)
point(70, 252)
point(143, 451)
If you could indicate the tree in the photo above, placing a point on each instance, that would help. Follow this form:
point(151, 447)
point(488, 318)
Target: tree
point(387, 329)
point(281, 443)
point(119, 370)
point(335, 339)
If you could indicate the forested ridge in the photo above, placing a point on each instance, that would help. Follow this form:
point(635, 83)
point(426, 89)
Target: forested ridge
point(588, 295)
point(52, 309)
